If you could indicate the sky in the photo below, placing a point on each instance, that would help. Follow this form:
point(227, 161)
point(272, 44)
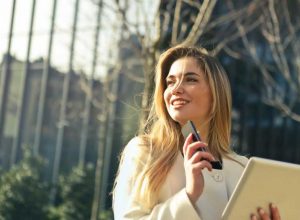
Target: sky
point(62, 37)
point(109, 32)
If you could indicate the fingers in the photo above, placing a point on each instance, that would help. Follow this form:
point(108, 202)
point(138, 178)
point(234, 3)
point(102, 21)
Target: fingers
point(190, 147)
point(197, 159)
point(274, 214)
point(196, 147)
point(262, 214)
point(201, 165)
point(253, 217)
point(188, 141)
point(203, 158)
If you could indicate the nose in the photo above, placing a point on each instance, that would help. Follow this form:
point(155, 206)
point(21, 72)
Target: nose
point(177, 89)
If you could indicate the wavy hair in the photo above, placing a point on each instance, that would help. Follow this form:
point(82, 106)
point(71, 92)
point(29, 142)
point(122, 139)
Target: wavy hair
point(162, 139)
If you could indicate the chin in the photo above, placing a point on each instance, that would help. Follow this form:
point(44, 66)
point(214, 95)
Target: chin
point(180, 120)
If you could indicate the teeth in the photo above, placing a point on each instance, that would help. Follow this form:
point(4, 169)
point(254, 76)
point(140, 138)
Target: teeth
point(179, 102)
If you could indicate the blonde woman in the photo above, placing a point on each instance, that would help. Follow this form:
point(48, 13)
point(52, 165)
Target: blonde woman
point(164, 176)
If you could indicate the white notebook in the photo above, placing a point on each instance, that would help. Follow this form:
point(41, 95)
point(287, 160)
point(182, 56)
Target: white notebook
point(264, 181)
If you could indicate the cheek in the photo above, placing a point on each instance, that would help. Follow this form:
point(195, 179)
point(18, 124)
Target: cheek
point(167, 97)
point(207, 101)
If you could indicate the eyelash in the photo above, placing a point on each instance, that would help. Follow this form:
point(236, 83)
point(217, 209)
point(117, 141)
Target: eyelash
point(171, 82)
point(191, 80)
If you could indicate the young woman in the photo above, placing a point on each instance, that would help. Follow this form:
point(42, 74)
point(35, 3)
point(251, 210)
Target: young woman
point(164, 176)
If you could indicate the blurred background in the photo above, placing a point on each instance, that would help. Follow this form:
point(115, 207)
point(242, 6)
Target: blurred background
point(77, 77)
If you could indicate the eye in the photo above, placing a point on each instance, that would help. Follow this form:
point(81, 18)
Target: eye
point(191, 79)
point(170, 82)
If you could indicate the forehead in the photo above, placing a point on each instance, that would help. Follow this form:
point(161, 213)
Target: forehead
point(183, 65)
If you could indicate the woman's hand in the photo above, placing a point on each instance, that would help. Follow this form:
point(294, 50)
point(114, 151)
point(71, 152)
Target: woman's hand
point(263, 215)
point(193, 165)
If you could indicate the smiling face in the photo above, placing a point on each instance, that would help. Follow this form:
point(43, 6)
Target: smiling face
point(187, 95)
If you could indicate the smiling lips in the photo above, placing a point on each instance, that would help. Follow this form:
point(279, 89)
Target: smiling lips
point(179, 102)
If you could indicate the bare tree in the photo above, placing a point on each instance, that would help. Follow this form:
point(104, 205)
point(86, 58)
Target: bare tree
point(275, 52)
point(187, 22)
point(107, 118)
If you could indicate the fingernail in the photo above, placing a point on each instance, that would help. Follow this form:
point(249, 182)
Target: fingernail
point(273, 206)
point(253, 217)
point(261, 211)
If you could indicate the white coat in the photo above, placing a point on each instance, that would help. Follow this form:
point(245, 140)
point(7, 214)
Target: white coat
point(173, 201)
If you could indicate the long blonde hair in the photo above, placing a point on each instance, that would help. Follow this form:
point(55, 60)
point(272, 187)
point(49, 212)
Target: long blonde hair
point(163, 140)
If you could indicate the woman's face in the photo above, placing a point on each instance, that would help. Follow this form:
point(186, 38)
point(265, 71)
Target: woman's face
point(187, 95)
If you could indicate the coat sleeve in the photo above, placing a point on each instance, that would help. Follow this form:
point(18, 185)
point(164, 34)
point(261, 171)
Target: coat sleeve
point(177, 207)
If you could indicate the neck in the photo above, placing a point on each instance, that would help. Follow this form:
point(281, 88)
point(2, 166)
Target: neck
point(202, 128)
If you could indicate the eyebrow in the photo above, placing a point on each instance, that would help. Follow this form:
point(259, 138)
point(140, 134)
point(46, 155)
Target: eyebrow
point(185, 74)
point(190, 74)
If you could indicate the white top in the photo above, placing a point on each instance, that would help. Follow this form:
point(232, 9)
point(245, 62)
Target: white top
point(173, 201)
